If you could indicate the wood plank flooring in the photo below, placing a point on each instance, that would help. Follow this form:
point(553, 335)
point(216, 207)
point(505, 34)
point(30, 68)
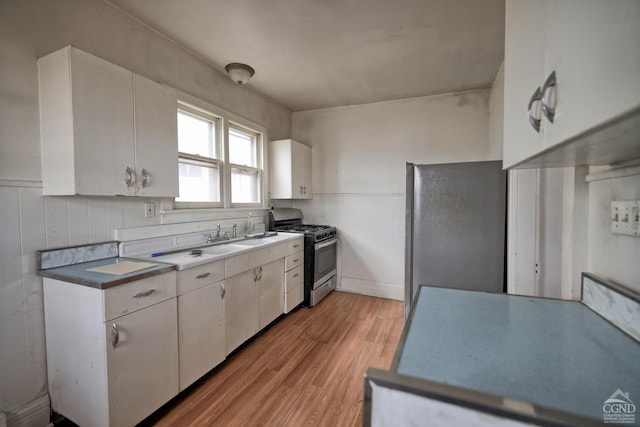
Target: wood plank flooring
point(305, 370)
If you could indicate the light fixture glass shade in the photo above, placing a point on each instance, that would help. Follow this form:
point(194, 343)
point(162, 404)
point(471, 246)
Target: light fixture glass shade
point(239, 73)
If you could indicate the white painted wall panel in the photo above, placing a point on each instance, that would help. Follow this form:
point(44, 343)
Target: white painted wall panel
point(363, 148)
point(612, 256)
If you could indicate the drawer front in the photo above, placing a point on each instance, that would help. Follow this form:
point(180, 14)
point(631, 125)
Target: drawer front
point(137, 295)
point(246, 261)
point(293, 261)
point(293, 298)
point(195, 278)
point(294, 278)
point(295, 245)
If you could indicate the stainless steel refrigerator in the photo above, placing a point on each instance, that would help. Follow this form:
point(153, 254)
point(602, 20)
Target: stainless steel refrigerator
point(455, 227)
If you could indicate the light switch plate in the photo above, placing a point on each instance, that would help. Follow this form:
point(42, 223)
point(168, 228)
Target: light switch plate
point(149, 210)
point(625, 217)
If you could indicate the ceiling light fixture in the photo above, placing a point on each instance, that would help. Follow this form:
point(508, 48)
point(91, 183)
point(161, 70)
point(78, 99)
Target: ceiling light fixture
point(239, 73)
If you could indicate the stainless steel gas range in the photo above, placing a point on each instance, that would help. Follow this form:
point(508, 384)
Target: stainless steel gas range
point(320, 252)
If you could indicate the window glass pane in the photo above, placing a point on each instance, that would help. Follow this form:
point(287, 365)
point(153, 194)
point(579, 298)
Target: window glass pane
point(242, 148)
point(196, 135)
point(198, 183)
point(244, 187)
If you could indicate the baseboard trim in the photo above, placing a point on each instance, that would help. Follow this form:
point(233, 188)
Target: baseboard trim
point(370, 288)
point(36, 413)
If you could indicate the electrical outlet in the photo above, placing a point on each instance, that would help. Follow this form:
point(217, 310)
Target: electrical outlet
point(149, 210)
point(625, 217)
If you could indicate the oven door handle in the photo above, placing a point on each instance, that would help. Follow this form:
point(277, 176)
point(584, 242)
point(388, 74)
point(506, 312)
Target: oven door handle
point(325, 244)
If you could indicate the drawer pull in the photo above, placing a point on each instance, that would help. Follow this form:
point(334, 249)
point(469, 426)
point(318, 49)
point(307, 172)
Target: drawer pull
point(296, 260)
point(202, 276)
point(144, 294)
point(296, 275)
point(297, 245)
point(115, 335)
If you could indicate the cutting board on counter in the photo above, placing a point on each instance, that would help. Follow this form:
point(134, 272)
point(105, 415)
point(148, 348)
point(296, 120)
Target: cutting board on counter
point(123, 267)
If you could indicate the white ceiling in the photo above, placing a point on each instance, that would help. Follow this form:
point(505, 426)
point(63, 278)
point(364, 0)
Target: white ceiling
point(311, 54)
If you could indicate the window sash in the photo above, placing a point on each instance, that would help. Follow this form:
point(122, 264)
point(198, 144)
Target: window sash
point(214, 132)
point(226, 124)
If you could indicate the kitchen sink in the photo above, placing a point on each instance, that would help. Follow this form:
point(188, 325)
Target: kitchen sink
point(251, 242)
point(223, 249)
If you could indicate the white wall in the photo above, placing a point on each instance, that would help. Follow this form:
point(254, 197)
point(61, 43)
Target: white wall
point(612, 256)
point(359, 156)
point(30, 29)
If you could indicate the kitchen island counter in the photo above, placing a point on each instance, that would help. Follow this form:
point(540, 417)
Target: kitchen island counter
point(540, 360)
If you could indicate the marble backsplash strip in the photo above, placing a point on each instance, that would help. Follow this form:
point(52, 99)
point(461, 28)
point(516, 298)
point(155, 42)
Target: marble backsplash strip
point(619, 306)
point(51, 258)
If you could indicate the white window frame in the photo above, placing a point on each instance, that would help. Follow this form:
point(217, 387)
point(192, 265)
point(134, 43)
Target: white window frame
point(226, 120)
point(257, 170)
point(205, 161)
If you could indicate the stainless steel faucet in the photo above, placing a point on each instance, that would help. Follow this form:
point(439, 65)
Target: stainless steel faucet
point(235, 230)
point(211, 239)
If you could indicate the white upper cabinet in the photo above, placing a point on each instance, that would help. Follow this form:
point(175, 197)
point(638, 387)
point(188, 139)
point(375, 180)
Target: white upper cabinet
point(290, 170)
point(156, 138)
point(104, 130)
point(523, 75)
point(592, 47)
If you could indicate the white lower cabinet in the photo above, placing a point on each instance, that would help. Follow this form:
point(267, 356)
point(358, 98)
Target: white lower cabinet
point(270, 293)
point(294, 275)
point(142, 367)
point(201, 320)
point(241, 310)
point(106, 368)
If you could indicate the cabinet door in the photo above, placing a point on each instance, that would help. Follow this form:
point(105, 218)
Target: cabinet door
point(156, 140)
point(143, 364)
point(523, 73)
point(300, 170)
point(241, 309)
point(201, 332)
point(305, 157)
point(270, 292)
point(102, 99)
point(593, 46)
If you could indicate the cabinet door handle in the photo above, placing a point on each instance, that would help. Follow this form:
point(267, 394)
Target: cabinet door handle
point(296, 260)
point(145, 178)
point(296, 245)
point(549, 107)
point(115, 335)
point(144, 294)
point(129, 176)
point(255, 274)
point(296, 275)
point(535, 121)
point(222, 290)
point(202, 276)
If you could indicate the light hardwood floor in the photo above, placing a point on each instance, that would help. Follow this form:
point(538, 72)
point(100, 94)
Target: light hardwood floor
point(305, 370)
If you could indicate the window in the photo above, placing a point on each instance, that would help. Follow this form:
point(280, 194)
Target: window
point(243, 158)
point(199, 159)
point(220, 162)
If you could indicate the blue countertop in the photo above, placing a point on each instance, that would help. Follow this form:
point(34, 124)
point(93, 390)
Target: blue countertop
point(77, 273)
point(551, 353)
